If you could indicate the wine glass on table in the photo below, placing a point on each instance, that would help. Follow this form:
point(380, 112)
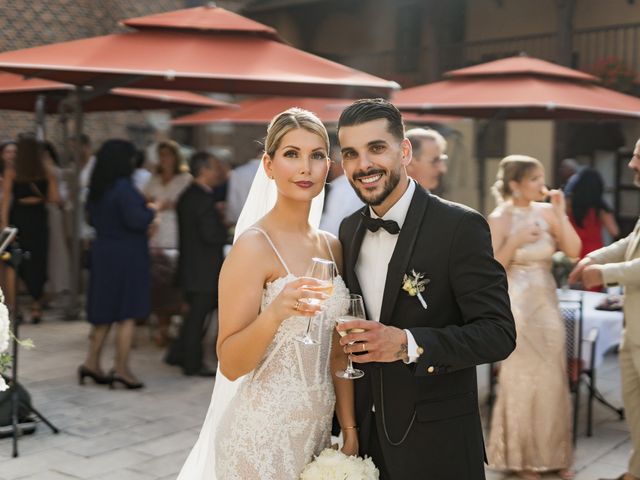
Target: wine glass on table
point(354, 312)
point(324, 271)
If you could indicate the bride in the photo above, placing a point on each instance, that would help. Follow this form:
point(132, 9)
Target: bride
point(274, 397)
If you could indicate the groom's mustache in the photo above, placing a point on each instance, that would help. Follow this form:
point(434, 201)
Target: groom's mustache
point(368, 173)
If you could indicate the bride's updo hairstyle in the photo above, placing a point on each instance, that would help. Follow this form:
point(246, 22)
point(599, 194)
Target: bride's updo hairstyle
point(289, 120)
point(513, 168)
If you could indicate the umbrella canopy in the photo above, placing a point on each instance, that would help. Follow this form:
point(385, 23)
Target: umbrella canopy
point(17, 93)
point(203, 49)
point(262, 110)
point(520, 88)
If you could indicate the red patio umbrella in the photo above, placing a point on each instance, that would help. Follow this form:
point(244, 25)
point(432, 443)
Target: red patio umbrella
point(520, 88)
point(18, 93)
point(200, 49)
point(262, 110)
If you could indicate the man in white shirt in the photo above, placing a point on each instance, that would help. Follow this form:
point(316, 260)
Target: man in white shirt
point(437, 302)
point(240, 181)
point(340, 199)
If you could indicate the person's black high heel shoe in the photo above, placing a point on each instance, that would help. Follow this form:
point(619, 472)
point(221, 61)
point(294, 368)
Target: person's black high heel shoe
point(85, 372)
point(115, 378)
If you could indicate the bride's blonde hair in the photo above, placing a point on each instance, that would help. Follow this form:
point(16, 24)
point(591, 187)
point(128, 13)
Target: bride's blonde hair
point(289, 120)
point(513, 168)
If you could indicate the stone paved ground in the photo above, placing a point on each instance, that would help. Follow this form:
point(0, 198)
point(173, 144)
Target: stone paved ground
point(146, 435)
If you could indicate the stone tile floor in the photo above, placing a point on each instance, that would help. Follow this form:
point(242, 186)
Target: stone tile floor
point(146, 435)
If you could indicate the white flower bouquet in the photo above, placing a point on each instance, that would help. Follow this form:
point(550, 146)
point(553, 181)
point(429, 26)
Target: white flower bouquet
point(5, 336)
point(334, 465)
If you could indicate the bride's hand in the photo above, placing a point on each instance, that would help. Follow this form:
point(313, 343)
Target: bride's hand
point(290, 302)
point(350, 446)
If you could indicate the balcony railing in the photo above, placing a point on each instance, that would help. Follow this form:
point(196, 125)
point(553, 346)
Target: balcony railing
point(589, 46)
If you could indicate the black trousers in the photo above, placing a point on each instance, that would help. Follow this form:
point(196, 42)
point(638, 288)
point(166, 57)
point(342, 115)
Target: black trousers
point(375, 451)
point(187, 349)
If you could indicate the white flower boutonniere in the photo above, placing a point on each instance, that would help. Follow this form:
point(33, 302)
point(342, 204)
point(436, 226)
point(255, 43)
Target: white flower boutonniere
point(414, 284)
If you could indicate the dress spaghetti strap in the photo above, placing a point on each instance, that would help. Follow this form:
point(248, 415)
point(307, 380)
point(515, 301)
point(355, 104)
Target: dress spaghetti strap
point(326, 240)
point(273, 247)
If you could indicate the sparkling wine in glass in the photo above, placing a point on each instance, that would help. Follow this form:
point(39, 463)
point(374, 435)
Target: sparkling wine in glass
point(324, 271)
point(354, 312)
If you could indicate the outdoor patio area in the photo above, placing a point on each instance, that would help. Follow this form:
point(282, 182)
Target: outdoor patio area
point(144, 435)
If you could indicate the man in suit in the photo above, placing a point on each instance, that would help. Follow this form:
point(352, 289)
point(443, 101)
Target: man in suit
point(202, 236)
point(417, 405)
point(619, 264)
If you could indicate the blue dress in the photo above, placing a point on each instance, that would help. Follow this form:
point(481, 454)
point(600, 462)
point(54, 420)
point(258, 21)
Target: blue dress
point(119, 283)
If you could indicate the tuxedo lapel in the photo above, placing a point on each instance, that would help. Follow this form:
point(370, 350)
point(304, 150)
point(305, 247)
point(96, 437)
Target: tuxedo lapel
point(353, 253)
point(399, 262)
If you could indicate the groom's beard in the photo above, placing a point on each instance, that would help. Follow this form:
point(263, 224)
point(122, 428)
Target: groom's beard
point(370, 198)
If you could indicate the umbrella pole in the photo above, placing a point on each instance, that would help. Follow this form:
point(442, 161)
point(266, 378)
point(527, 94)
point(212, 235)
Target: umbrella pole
point(40, 118)
point(74, 301)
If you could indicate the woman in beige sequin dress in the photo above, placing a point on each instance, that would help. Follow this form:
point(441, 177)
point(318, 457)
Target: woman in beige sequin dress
point(531, 422)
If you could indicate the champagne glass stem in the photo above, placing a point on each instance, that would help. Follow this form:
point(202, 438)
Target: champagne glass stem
point(349, 364)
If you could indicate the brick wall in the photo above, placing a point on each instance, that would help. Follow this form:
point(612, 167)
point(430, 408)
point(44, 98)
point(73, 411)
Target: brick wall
point(29, 23)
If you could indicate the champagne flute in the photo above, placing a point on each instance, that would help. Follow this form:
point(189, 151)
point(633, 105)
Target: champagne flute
point(324, 271)
point(354, 312)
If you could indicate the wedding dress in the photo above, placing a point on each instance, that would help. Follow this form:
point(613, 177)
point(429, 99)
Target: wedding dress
point(281, 415)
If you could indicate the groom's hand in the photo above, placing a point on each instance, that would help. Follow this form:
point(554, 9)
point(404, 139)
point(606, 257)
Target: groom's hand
point(375, 342)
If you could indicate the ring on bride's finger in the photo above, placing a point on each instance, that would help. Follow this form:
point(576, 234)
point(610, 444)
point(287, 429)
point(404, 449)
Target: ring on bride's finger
point(297, 305)
point(364, 348)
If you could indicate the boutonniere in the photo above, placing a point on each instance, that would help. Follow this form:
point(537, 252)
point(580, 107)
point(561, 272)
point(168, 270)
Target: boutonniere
point(414, 284)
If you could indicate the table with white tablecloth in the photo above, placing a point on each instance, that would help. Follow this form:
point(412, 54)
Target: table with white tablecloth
point(609, 324)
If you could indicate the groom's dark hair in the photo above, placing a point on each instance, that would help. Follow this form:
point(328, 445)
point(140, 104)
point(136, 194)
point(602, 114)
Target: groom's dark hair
point(369, 109)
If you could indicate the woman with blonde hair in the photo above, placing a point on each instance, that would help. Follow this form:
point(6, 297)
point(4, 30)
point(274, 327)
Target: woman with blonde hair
point(531, 420)
point(274, 397)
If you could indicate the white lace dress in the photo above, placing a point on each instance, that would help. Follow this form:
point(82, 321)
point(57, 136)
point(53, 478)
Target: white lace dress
point(281, 414)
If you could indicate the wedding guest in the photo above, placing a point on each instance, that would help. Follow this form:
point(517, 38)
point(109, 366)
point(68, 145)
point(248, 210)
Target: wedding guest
point(525, 234)
point(28, 186)
point(588, 211)
point(619, 264)
point(8, 151)
point(58, 255)
point(240, 180)
point(568, 168)
point(87, 163)
point(340, 199)
point(164, 189)
point(119, 284)
point(202, 236)
point(141, 175)
point(429, 162)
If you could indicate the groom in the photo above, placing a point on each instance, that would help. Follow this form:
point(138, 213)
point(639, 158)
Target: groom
point(438, 299)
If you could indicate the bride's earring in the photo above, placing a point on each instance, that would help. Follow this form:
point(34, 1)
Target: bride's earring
point(516, 194)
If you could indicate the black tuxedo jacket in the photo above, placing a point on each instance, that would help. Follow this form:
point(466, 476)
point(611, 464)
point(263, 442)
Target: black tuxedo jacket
point(202, 236)
point(427, 416)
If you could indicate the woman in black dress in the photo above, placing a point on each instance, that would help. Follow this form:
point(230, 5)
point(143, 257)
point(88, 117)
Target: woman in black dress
point(28, 186)
point(119, 282)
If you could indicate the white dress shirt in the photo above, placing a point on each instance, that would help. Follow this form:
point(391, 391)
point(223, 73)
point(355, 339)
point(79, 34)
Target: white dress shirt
point(341, 202)
point(373, 262)
point(240, 182)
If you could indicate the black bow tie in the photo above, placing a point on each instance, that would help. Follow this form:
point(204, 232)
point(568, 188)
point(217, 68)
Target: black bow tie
point(374, 224)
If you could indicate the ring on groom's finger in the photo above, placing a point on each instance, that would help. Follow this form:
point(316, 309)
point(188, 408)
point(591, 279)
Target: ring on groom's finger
point(364, 348)
point(297, 305)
